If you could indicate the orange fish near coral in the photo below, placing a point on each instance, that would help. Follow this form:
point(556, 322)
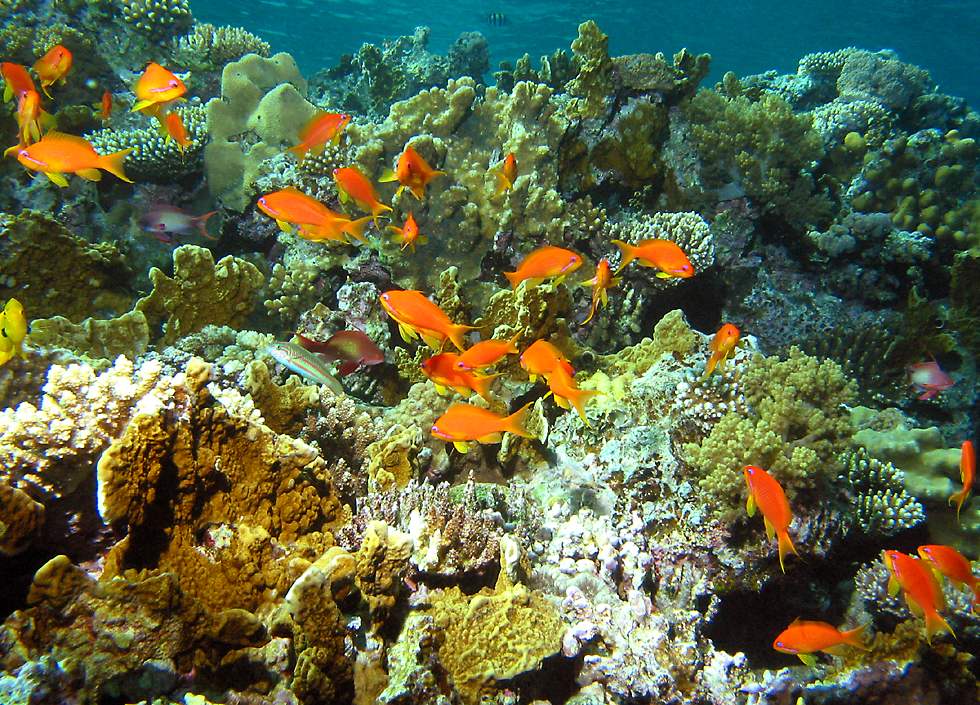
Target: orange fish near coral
point(30, 119)
point(176, 131)
point(947, 561)
point(921, 589)
point(441, 369)
point(722, 347)
point(412, 172)
point(463, 424)
point(968, 471)
point(663, 255)
point(507, 174)
point(294, 210)
point(767, 494)
point(53, 67)
point(322, 128)
point(408, 234)
point(16, 80)
point(545, 262)
point(156, 89)
point(57, 154)
point(352, 185)
point(105, 107)
point(541, 358)
point(417, 316)
point(487, 353)
point(804, 638)
point(567, 395)
point(601, 282)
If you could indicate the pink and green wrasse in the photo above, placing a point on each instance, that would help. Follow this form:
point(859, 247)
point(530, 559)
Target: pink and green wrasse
point(306, 364)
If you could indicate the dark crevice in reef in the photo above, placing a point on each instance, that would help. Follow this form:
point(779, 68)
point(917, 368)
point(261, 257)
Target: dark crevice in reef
point(701, 304)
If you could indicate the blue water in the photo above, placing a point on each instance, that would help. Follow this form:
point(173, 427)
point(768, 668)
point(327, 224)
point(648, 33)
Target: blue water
point(743, 36)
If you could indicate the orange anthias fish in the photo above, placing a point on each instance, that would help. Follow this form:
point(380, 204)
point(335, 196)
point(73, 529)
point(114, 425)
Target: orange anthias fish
point(57, 154)
point(567, 394)
point(408, 234)
point(176, 131)
point(53, 67)
point(803, 638)
point(545, 262)
point(487, 353)
point(921, 589)
point(507, 174)
point(156, 89)
point(293, 209)
point(664, 255)
point(541, 358)
point(968, 471)
point(322, 128)
point(947, 561)
point(722, 347)
point(412, 172)
point(601, 282)
point(441, 369)
point(463, 423)
point(16, 80)
point(30, 119)
point(352, 185)
point(767, 494)
point(105, 107)
point(417, 316)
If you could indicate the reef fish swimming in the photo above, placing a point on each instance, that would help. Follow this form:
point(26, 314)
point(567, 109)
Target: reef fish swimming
point(306, 364)
point(412, 172)
point(442, 371)
point(546, 262)
point(968, 471)
point(464, 423)
point(321, 129)
point(164, 222)
point(921, 589)
point(804, 637)
point(57, 154)
point(53, 67)
point(352, 348)
point(416, 316)
point(767, 494)
point(928, 378)
point(664, 255)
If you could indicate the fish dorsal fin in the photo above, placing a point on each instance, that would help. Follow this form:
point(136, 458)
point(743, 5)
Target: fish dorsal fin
point(65, 138)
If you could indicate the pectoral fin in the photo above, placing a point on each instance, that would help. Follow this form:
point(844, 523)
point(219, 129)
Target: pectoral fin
point(461, 447)
point(770, 530)
point(57, 178)
point(809, 659)
point(750, 505)
point(893, 586)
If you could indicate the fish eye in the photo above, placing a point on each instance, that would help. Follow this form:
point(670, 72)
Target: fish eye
point(161, 226)
point(780, 644)
point(336, 171)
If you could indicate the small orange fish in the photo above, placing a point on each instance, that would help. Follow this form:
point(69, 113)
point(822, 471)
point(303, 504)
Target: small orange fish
point(57, 154)
point(954, 565)
point(803, 638)
point(922, 591)
point(545, 262)
point(441, 369)
point(567, 394)
point(412, 172)
point(106, 106)
point(176, 131)
point(507, 174)
point(487, 353)
point(722, 347)
point(767, 494)
point(293, 211)
point(664, 255)
point(352, 185)
point(417, 316)
point(30, 119)
point(16, 80)
point(968, 470)
point(463, 423)
point(53, 67)
point(408, 234)
point(322, 128)
point(156, 89)
point(601, 282)
point(541, 358)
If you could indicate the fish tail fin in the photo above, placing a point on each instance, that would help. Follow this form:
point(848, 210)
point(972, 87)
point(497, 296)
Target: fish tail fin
point(514, 278)
point(113, 163)
point(456, 333)
point(710, 367)
point(387, 176)
point(628, 252)
point(299, 151)
point(855, 637)
point(201, 223)
point(785, 546)
point(958, 498)
point(516, 422)
point(44, 87)
point(503, 183)
point(579, 398)
point(512, 348)
point(935, 624)
point(482, 384)
point(356, 228)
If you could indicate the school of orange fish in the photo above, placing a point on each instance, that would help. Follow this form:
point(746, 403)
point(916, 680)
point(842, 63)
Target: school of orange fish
point(43, 149)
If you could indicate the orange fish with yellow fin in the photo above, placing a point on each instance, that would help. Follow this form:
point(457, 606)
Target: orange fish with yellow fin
point(463, 424)
point(664, 255)
point(322, 128)
point(53, 67)
point(803, 638)
point(416, 316)
point(766, 494)
point(922, 592)
point(352, 185)
point(57, 154)
point(156, 89)
point(545, 262)
point(412, 172)
point(601, 282)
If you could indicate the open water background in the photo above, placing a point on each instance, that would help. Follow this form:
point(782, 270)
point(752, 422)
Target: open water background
point(741, 35)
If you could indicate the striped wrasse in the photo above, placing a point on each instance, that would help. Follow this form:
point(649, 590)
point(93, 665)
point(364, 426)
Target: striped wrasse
point(306, 364)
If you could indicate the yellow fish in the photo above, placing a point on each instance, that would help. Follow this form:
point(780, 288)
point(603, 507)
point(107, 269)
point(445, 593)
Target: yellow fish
point(13, 330)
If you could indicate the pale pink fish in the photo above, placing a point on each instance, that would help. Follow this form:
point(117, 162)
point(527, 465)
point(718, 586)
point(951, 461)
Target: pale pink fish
point(165, 222)
point(928, 378)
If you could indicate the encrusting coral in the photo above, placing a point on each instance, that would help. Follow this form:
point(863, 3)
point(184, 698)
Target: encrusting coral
point(94, 338)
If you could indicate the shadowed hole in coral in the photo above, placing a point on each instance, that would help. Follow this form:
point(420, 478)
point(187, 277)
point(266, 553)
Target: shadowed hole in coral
point(554, 682)
point(701, 301)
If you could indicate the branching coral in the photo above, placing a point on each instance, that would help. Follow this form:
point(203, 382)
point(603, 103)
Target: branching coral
point(158, 19)
point(201, 292)
point(878, 488)
point(209, 48)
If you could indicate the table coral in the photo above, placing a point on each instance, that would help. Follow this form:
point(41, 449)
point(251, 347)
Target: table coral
point(56, 273)
point(244, 501)
point(201, 292)
point(105, 339)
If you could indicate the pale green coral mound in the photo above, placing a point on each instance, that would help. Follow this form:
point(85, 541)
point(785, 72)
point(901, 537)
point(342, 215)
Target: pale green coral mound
point(796, 428)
